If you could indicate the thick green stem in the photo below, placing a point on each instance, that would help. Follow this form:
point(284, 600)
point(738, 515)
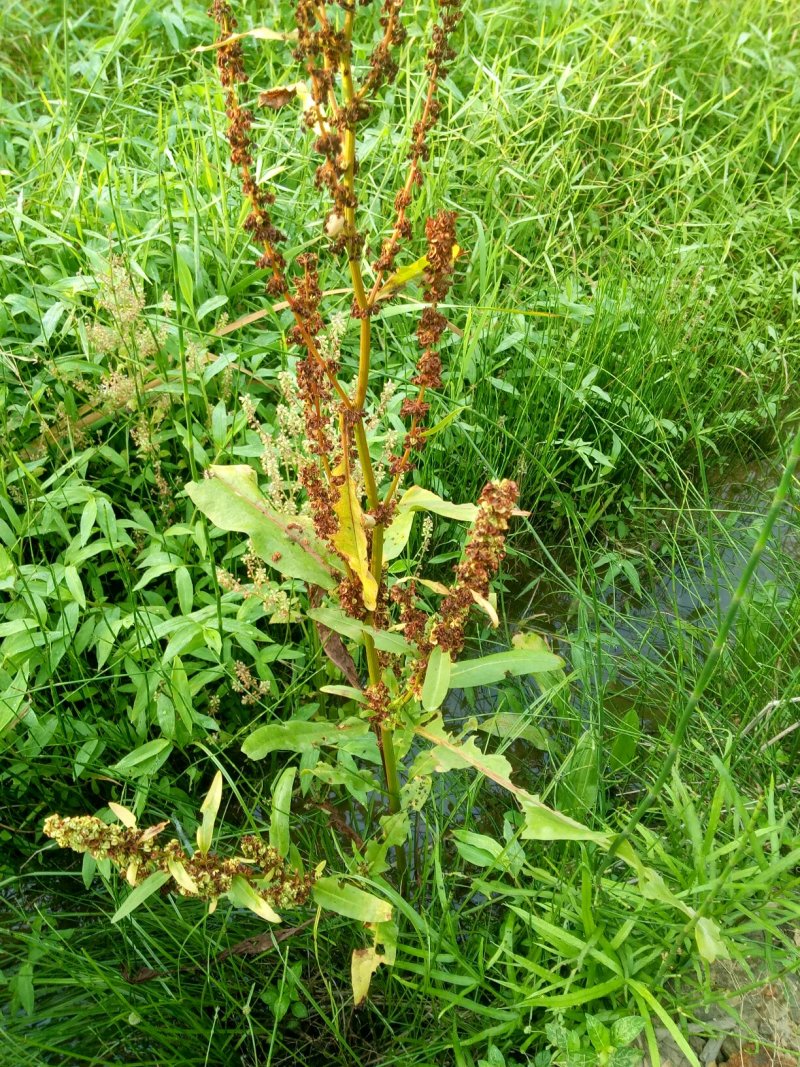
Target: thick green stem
point(385, 733)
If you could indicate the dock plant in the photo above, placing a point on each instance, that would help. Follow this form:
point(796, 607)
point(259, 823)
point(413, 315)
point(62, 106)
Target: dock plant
point(334, 504)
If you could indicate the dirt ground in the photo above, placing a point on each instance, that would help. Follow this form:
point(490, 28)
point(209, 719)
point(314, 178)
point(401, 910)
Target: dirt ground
point(745, 1027)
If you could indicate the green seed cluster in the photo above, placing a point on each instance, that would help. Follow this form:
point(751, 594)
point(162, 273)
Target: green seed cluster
point(204, 875)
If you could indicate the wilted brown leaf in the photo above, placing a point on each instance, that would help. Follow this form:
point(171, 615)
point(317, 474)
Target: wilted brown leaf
point(281, 96)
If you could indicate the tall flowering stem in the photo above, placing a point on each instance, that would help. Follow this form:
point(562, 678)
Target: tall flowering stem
point(339, 469)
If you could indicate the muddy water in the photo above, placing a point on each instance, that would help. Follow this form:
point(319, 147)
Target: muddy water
point(648, 611)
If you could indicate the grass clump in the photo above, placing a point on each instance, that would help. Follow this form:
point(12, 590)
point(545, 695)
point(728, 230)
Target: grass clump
point(618, 340)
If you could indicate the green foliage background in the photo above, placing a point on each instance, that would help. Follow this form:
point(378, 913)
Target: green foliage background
point(626, 177)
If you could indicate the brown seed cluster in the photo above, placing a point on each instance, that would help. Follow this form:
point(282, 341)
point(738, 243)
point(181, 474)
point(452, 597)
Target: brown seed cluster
point(259, 224)
point(440, 231)
point(204, 875)
point(377, 697)
point(382, 64)
point(326, 49)
point(484, 551)
point(415, 628)
point(316, 372)
point(439, 55)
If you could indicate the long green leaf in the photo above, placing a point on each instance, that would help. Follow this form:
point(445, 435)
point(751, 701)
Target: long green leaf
point(349, 900)
point(579, 778)
point(305, 737)
point(150, 885)
point(230, 497)
point(437, 679)
point(146, 758)
point(245, 896)
point(488, 670)
point(355, 630)
point(281, 810)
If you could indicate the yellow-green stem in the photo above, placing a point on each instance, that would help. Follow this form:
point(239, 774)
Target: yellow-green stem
point(388, 754)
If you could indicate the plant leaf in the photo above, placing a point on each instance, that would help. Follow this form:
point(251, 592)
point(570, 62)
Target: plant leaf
point(146, 758)
point(437, 679)
point(547, 824)
point(125, 815)
point(306, 736)
point(260, 33)
point(418, 499)
point(209, 809)
point(448, 753)
point(354, 630)
point(487, 607)
point(511, 725)
point(626, 1029)
point(579, 777)
point(232, 500)
point(351, 538)
point(488, 670)
point(709, 941)
point(364, 963)
point(334, 648)
point(357, 783)
point(138, 896)
point(396, 534)
point(623, 750)
point(244, 895)
point(347, 899)
point(483, 851)
point(404, 275)
point(182, 876)
point(348, 692)
point(281, 811)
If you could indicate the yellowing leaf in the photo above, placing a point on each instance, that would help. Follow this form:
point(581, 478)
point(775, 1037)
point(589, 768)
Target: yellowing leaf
point(209, 809)
point(132, 872)
point(364, 964)
point(351, 539)
point(486, 606)
point(366, 961)
point(125, 816)
point(182, 876)
point(409, 273)
point(243, 894)
point(260, 33)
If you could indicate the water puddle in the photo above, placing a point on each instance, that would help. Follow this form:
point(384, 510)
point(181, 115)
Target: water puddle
point(645, 614)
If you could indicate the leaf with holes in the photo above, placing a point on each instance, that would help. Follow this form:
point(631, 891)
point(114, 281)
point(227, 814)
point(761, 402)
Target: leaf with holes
point(232, 500)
